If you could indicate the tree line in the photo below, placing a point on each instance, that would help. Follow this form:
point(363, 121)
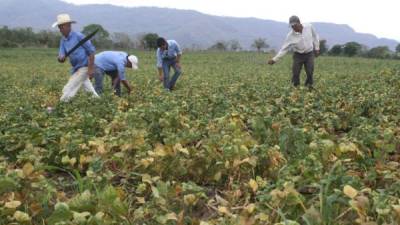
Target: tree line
point(351, 49)
point(27, 37)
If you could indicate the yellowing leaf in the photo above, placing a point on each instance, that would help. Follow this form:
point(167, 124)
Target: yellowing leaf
point(72, 161)
point(27, 169)
point(253, 185)
point(349, 191)
point(99, 215)
point(126, 147)
point(396, 208)
point(35, 208)
point(160, 150)
point(146, 162)
point(155, 191)
point(65, 159)
point(250, 208)
point(98, 146)
point(146, 178)
point(140, 200)
point(184, 151)
point(189, 199)
point(12, 204)
point(217, 176)
point(223, 210)
point(178, 147)
point(171, 216)
point(21, 217)
point(81, 217)
point(350, 147)
point(262, 217)
point(221, 201)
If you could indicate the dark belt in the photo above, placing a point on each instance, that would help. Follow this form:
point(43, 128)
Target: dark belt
point(303, 53)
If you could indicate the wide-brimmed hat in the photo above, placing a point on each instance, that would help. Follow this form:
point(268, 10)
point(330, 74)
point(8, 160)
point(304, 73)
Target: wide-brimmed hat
point(134, 61)
point(63, 19)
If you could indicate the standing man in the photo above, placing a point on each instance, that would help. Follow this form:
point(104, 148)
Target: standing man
point(82, 59)
point(168, 55)
point(305, 42)
point(113, 64)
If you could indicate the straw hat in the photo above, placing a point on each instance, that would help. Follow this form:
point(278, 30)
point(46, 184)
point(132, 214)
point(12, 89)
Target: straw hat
point(63, 19)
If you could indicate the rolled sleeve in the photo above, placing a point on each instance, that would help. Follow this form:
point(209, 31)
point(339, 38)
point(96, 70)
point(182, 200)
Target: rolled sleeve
point(61, 51)
point(121, 71)
point(282, 52)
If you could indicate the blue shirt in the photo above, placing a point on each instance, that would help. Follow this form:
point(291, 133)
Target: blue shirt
point(172, 52)
point(79, 58)
point(112, 61)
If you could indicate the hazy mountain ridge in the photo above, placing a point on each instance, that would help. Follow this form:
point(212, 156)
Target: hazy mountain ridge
point(190, 28)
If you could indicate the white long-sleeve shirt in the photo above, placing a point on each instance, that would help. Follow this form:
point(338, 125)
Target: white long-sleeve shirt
point(304, 42)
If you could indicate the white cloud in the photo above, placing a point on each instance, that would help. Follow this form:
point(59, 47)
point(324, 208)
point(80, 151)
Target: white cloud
point(376, 17)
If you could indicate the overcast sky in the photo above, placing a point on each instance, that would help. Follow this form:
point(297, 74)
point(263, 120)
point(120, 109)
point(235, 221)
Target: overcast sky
point(377, 17)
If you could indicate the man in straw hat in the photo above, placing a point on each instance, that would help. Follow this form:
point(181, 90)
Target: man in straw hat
point(113, 63)
point(82, 59)
point(304, 40)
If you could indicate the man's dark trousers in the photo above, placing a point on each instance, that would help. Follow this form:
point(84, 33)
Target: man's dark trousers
point(299, 60)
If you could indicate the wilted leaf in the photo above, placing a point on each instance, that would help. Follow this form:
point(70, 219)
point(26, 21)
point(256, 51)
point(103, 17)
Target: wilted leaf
point(349, 191)
point(21, 217)
point(12, 204)
point(189, 199)
point(27, 169)
point(250, 208)
point(172, 216)
point(223, 210)
point(253, 185)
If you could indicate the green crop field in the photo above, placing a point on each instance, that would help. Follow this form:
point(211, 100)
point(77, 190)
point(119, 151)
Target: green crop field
point(233, 144)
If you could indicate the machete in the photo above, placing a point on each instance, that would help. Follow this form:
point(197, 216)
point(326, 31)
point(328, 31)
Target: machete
point(81, 42)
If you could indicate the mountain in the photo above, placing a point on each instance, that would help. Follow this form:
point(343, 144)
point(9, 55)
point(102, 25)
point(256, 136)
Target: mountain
point(188, 27)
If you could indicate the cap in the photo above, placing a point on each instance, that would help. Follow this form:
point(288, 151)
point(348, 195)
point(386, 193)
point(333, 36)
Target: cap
point(134, 61)
point(293, 20)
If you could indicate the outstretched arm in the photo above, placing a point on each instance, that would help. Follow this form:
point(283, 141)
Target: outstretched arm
point(282, 52)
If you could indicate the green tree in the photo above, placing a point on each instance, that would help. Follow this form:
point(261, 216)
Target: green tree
point(149, 41)
point(235, 45)
point(323, 47)
point(219, 46)
point(122, 41)
point(24, 37)
point(259, 44)
point(336, 50)
point(48, 39)
point(101, 39)
point(352, 49)
point(380, 52)
point(398, 48)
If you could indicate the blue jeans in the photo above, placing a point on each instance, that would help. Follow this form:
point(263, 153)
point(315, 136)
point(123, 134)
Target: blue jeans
point(166, 65)
point(99, 77)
